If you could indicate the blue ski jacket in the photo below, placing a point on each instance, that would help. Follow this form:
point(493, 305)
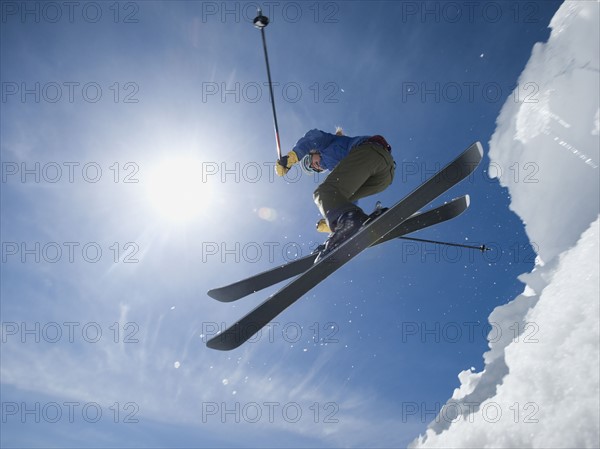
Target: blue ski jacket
point(331, 147)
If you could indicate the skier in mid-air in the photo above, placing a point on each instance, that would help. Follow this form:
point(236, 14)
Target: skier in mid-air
point(360, 166)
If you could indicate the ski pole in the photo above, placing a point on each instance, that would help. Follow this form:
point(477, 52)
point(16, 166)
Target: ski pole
point(261, 22)
point(481, 248)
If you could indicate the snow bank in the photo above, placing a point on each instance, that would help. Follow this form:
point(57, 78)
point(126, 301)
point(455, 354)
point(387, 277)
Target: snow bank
point(540, 385)
point(549, 398)
point(547, 144)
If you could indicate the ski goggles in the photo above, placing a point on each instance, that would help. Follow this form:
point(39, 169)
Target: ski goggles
point(307, 164)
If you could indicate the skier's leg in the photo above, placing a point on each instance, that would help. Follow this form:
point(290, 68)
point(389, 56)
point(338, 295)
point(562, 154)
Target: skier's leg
point(379, 181)
point(366, 170)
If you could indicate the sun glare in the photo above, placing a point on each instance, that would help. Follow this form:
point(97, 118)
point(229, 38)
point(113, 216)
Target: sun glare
point(176, 190)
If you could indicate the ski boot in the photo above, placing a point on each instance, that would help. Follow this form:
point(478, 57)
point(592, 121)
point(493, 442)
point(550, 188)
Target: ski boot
point(345, 227)
point(322, 225)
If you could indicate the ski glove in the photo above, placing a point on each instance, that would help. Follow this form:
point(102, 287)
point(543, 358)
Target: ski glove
point(284, 164)
point(322, 226)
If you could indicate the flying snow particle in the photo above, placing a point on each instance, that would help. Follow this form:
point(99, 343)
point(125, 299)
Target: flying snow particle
point(176, 365)
point(225, 381)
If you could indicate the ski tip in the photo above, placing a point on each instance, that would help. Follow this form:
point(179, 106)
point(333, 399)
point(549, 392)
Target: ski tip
point(230, 338)
point(212, 294)
point(219, 345)
point(237, 333)
point(219, 295)
point(479, 147)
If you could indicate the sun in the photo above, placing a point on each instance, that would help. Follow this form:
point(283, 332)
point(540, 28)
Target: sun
point(176, 190)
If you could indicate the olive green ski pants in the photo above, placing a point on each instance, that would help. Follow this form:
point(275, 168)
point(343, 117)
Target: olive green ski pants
point(366, 170)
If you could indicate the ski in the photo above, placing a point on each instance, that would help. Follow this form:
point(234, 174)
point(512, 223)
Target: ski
point(265, 312)
point(260, 281)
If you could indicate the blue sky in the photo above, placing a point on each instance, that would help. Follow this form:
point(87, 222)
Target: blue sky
point(136, 143)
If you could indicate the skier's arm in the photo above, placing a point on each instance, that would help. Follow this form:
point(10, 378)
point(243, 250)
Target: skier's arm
point(314, 140)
